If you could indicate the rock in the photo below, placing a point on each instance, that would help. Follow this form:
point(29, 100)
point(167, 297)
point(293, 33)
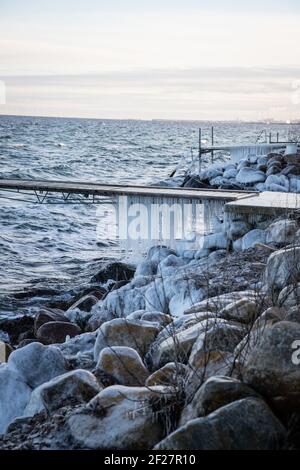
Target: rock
point(269, 368)
point(220, 335)
point(154, 317)
point(98, 317)
point(273, 170)
point(213, 394)
point(70, 389)
point(282, 268)
point(84, 303)
point(237, 229)
point(25, 342)
point(14, 396)
point(277, 181)
point(293, 314)
point(177, 346)
point(262, 167)
point(243, 310)
point(157, 253)
point(250, 176)
point(230, 173)
point(16, 326)
point(56, 332)
point(212, 172)
point(146, 268)
point(37, 364)
point(79, 345)
point(115, 271)
point(215, 241)
point(121, 332)
point(172, 374)
point(215, 304)
point(246, 424)
point(105, 422)
point(124, 364)
point(194, 182)
point(291, 170)
point(46, 316)
point(282, 232)
point(252, 238)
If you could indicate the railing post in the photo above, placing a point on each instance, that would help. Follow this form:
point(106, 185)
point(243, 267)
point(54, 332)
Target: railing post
point(200, 149)
point(212, 143)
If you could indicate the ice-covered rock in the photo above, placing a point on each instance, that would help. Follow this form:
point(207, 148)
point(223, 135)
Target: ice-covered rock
point(14, 396)
point(277, 181)
point(146, 268)
point(250, 176)
point(230, 173)
point(283, 268)
point(120, 418)
point(216, 304)
point(122, 332)
point(46, 316)
point(289, 296)
point(237, 229)
point(252, 238)
point(245, 424)
point(215, 241)
point(37, 364)
point(282, 232)
point(70, 389)
point(124, 364)
point(81, 344)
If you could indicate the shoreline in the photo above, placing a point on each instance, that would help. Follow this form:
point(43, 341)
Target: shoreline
point(181, 345)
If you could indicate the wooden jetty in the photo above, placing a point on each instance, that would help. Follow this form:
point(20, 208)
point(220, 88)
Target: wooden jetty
point(93, 192)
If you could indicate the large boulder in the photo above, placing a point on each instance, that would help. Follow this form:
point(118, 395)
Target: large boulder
point(282, 232)
point(216, 392)
point(172, 374)
point(122, 332)
point(46, 316)
point(14, 396)
point(237, 229)
point(217, 303)
point(252, 238)
point(177, 345)
point(270, 369)
point(70, 389)
point(250, 176)
point(243, 310)
point(120, 418)
point(246, 424)
point(37, 364)
point(124, 364)
point(220, 335)
point(283, 268)
point(57, 332)
point(115, 271)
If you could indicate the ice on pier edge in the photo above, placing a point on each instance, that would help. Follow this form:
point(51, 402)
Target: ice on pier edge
point(138, 223)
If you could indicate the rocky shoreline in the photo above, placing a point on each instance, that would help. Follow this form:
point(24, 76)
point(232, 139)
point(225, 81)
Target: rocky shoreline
point(272, 172)
point(193, 350)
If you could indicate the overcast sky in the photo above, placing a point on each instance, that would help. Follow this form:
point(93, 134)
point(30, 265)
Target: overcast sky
point(170, 59)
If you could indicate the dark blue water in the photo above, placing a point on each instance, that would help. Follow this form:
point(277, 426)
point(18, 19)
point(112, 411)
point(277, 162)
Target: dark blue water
point(56, 246)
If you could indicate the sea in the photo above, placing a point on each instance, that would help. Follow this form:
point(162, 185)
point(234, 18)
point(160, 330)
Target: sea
point(49, 249)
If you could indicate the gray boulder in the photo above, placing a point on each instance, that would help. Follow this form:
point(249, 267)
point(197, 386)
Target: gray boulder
point(246, 424)
point(283, 268)
point(250, 176)
point(37, 364)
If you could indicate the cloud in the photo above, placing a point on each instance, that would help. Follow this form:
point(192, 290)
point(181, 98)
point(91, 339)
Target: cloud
point(204, 93)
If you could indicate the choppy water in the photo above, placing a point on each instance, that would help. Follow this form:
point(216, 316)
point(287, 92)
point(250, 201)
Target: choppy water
point(56, 246)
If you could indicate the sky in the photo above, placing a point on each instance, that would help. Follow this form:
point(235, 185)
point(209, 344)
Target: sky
point(193, 59)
